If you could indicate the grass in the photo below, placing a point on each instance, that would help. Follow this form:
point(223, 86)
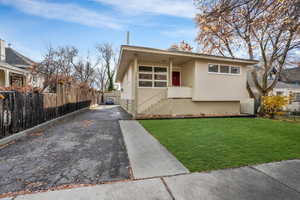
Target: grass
point(209, 144)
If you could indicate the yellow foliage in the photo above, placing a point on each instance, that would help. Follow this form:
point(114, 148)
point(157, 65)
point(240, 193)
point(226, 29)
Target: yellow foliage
point(206, 28)
point(280, 113)
point(61, 82)
point(1, 97)
point(273, 104)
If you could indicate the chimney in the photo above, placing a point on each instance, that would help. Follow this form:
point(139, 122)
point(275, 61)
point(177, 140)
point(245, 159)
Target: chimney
point(2, 50)
point(127, 37)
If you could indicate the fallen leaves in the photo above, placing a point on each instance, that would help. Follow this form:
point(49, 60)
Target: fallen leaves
point(34, 185)
point(7, 144)
point(36, 134)
point(87, 123)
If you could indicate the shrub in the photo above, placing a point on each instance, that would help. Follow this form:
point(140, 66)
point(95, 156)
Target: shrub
point(272, 105)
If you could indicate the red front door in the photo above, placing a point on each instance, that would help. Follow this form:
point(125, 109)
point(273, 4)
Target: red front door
point(176, 78)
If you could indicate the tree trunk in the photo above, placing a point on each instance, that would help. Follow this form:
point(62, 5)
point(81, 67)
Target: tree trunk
point(102, 97)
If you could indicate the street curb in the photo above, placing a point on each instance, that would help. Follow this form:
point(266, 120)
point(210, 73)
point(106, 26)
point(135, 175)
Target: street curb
point(20, 134)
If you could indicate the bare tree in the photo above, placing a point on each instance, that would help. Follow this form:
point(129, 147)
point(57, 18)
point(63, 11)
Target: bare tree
point(57, 65)
point(85, 71)
point(65, 59)
point(48, 68)
point(101, 80)
point(107, 56)
point(267, 30)
point(64, 64)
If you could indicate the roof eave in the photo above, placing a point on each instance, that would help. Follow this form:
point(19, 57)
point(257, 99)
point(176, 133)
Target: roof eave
point(118, 78)
point(175, 53)
point(188, 54)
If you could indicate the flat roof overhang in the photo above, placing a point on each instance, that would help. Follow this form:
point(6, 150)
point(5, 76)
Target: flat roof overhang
point(128, 53)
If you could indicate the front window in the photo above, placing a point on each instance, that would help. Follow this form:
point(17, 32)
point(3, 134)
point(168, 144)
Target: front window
point(160, 77)
point(160, 69)
point(213, 68)
point(145, 76)
point(160, 84)
point(223, 69)
point(145, 69)
point(235, 70)
point(145, 83)
point(150, 76)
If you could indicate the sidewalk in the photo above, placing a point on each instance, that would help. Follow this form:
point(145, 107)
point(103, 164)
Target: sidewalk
point(272, 181)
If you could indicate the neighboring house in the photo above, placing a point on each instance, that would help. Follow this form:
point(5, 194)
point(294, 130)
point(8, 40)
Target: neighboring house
point(291, 76)
point(15, 69)
point(288, 85)
point(157, 82)
point(287, 89)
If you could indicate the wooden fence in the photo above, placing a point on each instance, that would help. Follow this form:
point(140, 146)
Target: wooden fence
point(20, 111)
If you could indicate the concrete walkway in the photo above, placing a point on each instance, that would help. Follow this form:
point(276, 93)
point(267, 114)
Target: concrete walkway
point(148, 158)
point(272, 181)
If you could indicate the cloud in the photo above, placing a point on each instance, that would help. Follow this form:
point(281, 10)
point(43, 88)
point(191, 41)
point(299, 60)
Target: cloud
point(66, 12)
point(181, 33)
point(179, 8)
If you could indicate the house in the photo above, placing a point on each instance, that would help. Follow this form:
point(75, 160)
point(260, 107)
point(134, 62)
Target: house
point(291, 75)
point(289, 89)
point(156, 82)
point(15, 68)
point(289, 85)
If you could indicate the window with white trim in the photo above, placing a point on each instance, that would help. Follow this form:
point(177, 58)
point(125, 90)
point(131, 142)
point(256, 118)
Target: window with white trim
point(297, 97)
point(223, 69)
point(235, 70)
point(213, 68)
point(279, 93)
point(152, 76)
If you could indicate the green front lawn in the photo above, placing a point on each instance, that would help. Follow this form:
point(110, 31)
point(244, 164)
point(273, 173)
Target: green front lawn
point(207, 144)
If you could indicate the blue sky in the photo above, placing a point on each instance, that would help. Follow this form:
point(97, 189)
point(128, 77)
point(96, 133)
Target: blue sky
point(32, 25)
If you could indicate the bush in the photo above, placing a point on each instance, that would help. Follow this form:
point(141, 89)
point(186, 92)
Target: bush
point(271, 105)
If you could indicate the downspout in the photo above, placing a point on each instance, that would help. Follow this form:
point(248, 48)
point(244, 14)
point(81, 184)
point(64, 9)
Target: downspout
point(135, 66)
point(171, 72)
point(170, 84)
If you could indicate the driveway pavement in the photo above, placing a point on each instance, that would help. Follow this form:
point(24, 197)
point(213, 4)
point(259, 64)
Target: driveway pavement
point(86, 149)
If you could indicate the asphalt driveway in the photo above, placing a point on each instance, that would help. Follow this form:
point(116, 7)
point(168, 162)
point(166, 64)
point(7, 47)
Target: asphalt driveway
point(86, 149)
